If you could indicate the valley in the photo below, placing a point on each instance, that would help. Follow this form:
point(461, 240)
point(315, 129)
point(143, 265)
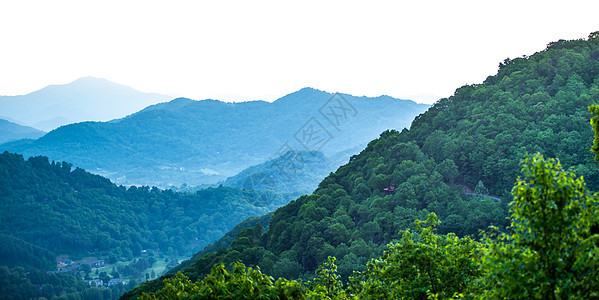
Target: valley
point(316, 194)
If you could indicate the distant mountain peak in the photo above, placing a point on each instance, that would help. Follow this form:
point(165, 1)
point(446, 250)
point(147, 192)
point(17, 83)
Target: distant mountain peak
point(84, 99)
point(86, 79)
point(310, 89)
point(85, 82)
point(304, 94)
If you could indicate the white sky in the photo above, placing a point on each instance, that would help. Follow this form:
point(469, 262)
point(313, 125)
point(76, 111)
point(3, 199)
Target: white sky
point(247, 50)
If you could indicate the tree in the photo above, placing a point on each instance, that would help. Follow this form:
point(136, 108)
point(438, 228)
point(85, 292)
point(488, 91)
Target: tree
point(327, 281)
point(286, 268)
point(551, 252)
point(104, 277)
point(480, 189)
point(421, 265)
point(594, 109)
point(86, 268)
point(448, 170)
point(240, 283)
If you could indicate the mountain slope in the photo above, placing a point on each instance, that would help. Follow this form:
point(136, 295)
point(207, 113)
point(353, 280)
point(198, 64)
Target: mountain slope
point(292, 172)
point(195, 142)
point(470, 141)
point(85, 99)
point(74, 212)
point(10, 131)
point(49, 209)
point(533, 104)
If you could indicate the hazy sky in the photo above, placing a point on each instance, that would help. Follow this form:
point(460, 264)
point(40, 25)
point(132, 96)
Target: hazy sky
point(246, 50)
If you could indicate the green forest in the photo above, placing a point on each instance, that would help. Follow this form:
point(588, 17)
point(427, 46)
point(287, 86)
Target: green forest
point(76, 212)
point(50, 209)
point(550, 253)
point(433, 211)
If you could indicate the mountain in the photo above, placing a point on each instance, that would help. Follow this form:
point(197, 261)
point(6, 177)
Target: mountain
point(85, 99)
point(51, 204)
point(248, 225)
point(199, 142)
point(10, 131)
point(50, 210)
point(459, 160)
point(293, 172)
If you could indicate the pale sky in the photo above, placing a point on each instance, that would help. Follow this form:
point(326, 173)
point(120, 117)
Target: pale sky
point(249, 50)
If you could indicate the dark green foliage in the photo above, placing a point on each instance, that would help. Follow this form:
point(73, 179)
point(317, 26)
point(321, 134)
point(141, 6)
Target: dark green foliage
point(15, 252)
point(225, 241)
point(534, 104)
point(48, 209)
point(552, 251)
point(72, 211)
point(594, 109)
point(359, 223)
point(30, 283)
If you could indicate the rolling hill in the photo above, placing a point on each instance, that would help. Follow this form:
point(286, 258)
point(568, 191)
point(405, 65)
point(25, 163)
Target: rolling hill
point(293, 172)
point(50, 209)
point(10, 131)
point(66, 210)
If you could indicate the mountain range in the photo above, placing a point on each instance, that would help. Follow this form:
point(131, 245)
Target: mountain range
point(85, 99)
point(202, 142)
point(458, 160)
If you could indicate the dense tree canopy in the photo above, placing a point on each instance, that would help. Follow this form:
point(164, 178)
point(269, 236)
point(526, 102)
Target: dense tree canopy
point(458, 160)
point(49, 209)
point(535, 103)
point(72, 211)
point(550, 253)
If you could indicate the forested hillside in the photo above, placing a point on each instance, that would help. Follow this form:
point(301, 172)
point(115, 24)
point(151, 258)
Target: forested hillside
point(533, 104)
point(549, 252)
point(49, 209)
point(456, 160)
point(203, 142)
point(72, 211)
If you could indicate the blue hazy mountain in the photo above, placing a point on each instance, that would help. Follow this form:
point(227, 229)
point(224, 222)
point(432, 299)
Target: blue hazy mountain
point(10, 131)
point(296, 172)
point(199, 142)
point(85, 99)
point(291, 172)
